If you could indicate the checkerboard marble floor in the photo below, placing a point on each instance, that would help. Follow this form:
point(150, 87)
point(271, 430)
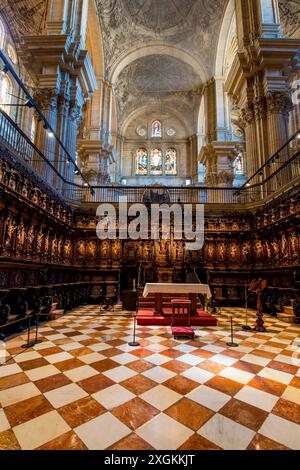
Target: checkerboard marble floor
point(83, 387)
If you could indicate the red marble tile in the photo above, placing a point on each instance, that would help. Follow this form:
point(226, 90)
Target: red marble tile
point(248, 367)
point(27, 410)
point(211, 366)
point(190, 413)
point(140, 366)
point(135, 413)
point(282, 367)
point(106, 364)
point(81, 411)
point(95, 384)
point(266, 385)
point(8, 441)
point(69, 364)
point(13, 381)
point(260, 442)
point(181, 384)
point(68, 441)
point(34, 364)
point(197, 442)
point(52, 382)
point(287, 410)
point(244, 414)
point(138, 384)
point(230, 387)
point(176, 366)
point(131, 442)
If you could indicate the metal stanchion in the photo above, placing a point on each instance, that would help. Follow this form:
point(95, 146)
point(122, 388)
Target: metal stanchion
point(37, 341)
point(246, 327)
point(232, 344)
point(28, 344)
point(134, 343)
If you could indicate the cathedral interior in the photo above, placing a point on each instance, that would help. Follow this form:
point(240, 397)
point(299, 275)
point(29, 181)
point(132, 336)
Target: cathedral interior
point(159, 102)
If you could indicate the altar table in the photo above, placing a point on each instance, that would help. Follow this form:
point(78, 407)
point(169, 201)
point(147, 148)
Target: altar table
point(191, 291)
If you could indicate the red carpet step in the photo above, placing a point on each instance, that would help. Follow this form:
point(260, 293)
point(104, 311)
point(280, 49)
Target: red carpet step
point(147, 317)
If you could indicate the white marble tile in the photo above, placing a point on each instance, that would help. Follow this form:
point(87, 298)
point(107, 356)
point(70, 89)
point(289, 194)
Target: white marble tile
point(9, 369)
point(212, 348)
point(59, 357)
point(222, 359)
point(258, 360)
point(198, 375)
point(185, 348)
point(114, 396)
point(292, 394)
point(39, 431)
point(42, 372)
point(237, 375)
point(19, 393)
point(124, 358)
point(161, 397)
point(276, 375)
point(118, 374)
point(81, 373)
point(226, 433)
point(208, 397)
point(282, 431)
point(4, 424)
point(158, 359)
point(257, 398)
point(164, 433)
point(190, 359)
point(27, 356)
point(100, 347)
point(159, 374)
point(102, 432)
point(93, 357)
point(64, 395)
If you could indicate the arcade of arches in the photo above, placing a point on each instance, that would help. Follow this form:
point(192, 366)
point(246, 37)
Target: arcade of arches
point(174, 102)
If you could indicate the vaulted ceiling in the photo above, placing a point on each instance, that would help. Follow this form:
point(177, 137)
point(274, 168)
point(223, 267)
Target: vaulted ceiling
point(160, 51)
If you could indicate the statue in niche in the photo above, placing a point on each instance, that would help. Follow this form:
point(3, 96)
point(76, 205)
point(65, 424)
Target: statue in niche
point(11, 228)
point(39, 242)
point(91, 249)
point(67, 249)
point(211, 251)
point(294, 244)
point(21, 235)
point(55, 247)
point(268, 250)
point(80, 249)
point(275, 248)
point(60, 248)
point(116, 249)
point(284, 248)
point(259, 249)
point(221, 251)
point(233, 251)
point(47, 245)
point(105, 250)
point(30, 237)
point(246, 249)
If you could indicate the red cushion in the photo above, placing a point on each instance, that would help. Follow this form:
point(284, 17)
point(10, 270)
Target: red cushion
point(183, 331)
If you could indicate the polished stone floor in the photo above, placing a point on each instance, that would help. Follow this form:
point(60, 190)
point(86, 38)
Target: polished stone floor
point(83, 387)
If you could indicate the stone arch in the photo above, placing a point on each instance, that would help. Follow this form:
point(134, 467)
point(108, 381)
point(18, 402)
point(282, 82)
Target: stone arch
point(156, 49)
point(223, 38)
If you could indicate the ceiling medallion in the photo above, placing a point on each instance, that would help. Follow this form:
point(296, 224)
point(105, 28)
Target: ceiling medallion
point(171, 132)
point(141, 131)
point(159, 15)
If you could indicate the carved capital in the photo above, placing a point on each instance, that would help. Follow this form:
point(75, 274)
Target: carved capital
point(247, 116)
point(260, 107)
point(46, 98)
point(279, 103)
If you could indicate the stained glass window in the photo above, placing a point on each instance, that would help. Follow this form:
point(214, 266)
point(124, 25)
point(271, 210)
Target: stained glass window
point(2, 34)
point(156, 162)
point(171, 162)
point(156, 129)
point(238, 165)
point(5, 92)
point(142, 162)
